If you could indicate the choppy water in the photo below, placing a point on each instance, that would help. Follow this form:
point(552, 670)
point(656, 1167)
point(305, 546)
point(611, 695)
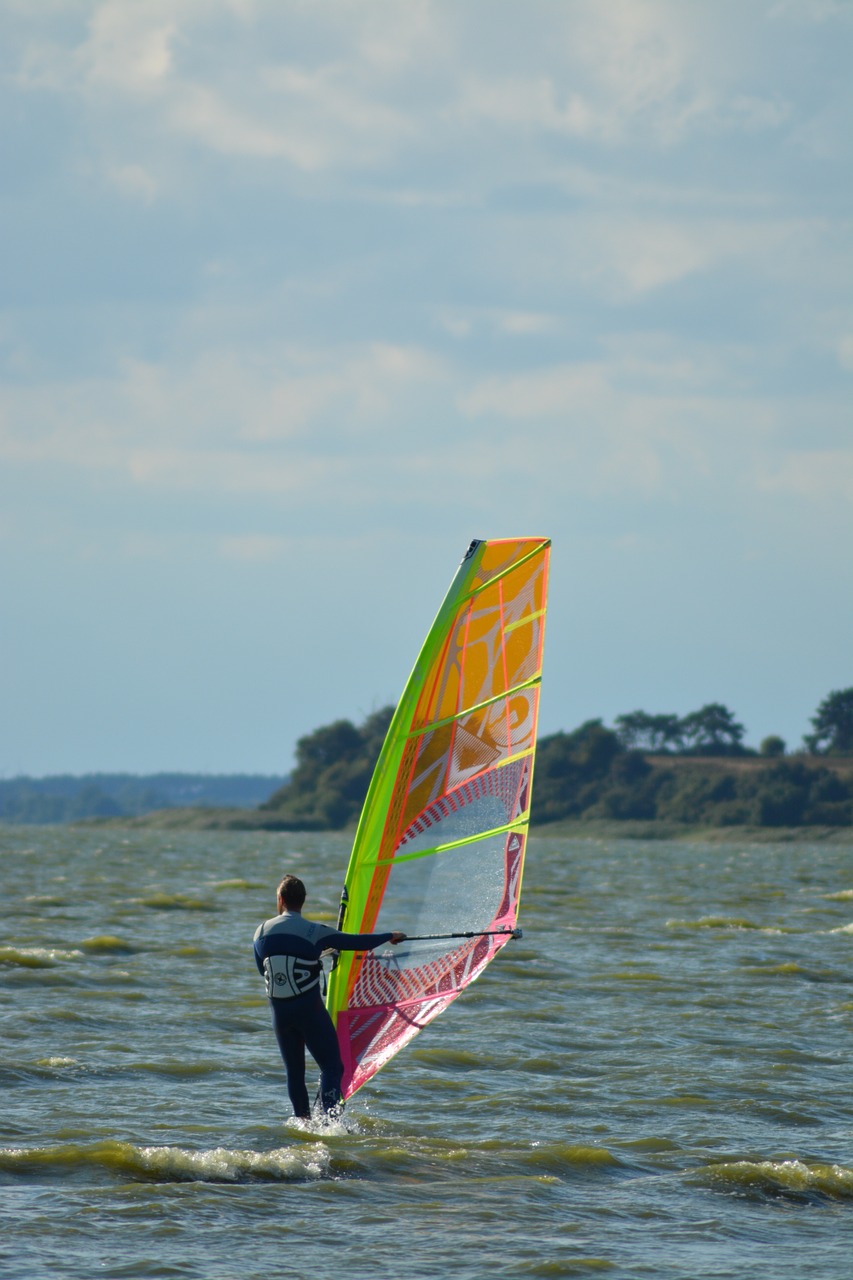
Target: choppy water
point(655, 1081)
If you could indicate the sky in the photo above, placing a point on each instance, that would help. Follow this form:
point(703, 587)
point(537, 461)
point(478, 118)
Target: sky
point(296, 299)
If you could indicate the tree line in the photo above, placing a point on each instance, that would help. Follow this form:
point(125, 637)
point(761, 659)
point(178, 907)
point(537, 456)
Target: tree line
point(600, 772)
point(589, 774)
point(714, 731)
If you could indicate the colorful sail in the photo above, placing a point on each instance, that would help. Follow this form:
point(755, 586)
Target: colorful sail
point(440, 845)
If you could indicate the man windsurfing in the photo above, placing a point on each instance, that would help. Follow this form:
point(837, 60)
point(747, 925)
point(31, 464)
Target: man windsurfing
point(287, 952)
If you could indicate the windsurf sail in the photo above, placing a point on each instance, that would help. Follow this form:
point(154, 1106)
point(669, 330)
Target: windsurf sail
point(439, 849)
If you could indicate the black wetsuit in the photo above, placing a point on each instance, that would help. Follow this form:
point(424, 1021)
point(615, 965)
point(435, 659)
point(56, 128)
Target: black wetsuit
point(287, 953)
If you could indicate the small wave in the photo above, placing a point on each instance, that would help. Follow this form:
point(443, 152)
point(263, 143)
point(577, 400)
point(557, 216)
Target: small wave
point(107, 944)
point(653, 1145)
point(793, 1178)
point(637, 975)
point(15, 1076)
point(222, 1164)
point(174, 902)
point(843, 895)
point(557, 1157)
point(169, 1164)
point(253, 885)
point(787, 969)
point(728, 923)
point(565, 1267)
point(36, 957)
point(453, 1059)
point(719, 922)
point(178, 1070)
point(843, 928)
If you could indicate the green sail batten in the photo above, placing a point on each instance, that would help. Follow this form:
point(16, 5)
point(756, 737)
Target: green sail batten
point(478, 706)
point(524, 622)
point(516, 564)
point(518, 824)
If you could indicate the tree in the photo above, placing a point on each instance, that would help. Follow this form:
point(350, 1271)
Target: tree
point(713, 731)
point(570, 768)
point(773, 746)
point(592, 748)
point(833, 725)
point(327, 745)
point(641, 732)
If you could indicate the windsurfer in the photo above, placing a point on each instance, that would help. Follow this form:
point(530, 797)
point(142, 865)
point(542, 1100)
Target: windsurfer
point(287, 952)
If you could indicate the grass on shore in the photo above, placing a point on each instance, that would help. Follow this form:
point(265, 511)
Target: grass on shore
point(209, 819)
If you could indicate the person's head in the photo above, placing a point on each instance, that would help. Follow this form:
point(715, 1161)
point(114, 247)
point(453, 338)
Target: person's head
point(291, 894)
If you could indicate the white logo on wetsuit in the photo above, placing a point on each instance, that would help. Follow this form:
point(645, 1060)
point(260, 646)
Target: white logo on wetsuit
point(289, 976)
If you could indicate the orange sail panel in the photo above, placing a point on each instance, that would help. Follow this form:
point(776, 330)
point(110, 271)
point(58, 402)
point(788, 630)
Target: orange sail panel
point(439, 850)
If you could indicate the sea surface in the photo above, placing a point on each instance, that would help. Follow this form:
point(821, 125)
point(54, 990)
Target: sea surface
point(654, 1081)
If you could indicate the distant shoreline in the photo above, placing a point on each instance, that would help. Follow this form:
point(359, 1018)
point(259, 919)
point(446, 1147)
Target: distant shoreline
point(638, 829)
point(637, 796)
point(243, 820)
point(63, 798)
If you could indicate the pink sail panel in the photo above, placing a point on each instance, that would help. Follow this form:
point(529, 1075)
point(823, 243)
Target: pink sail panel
point(399, 991)
point(390, 1009)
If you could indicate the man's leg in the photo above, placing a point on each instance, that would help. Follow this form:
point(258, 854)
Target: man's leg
point(291, 1042)
point(322, 1042)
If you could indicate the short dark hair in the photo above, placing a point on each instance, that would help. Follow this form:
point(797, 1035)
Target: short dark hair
point(292, 892)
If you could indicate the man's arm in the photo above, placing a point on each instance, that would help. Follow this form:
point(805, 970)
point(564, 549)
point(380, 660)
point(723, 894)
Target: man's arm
point(335, 941)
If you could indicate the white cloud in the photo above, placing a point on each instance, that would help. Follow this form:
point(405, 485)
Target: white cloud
point(637, 52)
point(129, 47)
point(198, 112)
point(650, 72)
point(457, 326)
point(135, 181)
point(312, 119)
point(359, 388)
point(609, 70)
point(620, 256)
point(393, 38)
point(345, 88)
point(551, 392)
point(647, 256)
point(284, 420)
point(526, 103)
point(127, 51)
point(807, 11)
point(651, 415)
point(152, 76)
point(233, 471)
point(525, 322)
point(496, 321)
point(655, 417)
point(818, 475)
